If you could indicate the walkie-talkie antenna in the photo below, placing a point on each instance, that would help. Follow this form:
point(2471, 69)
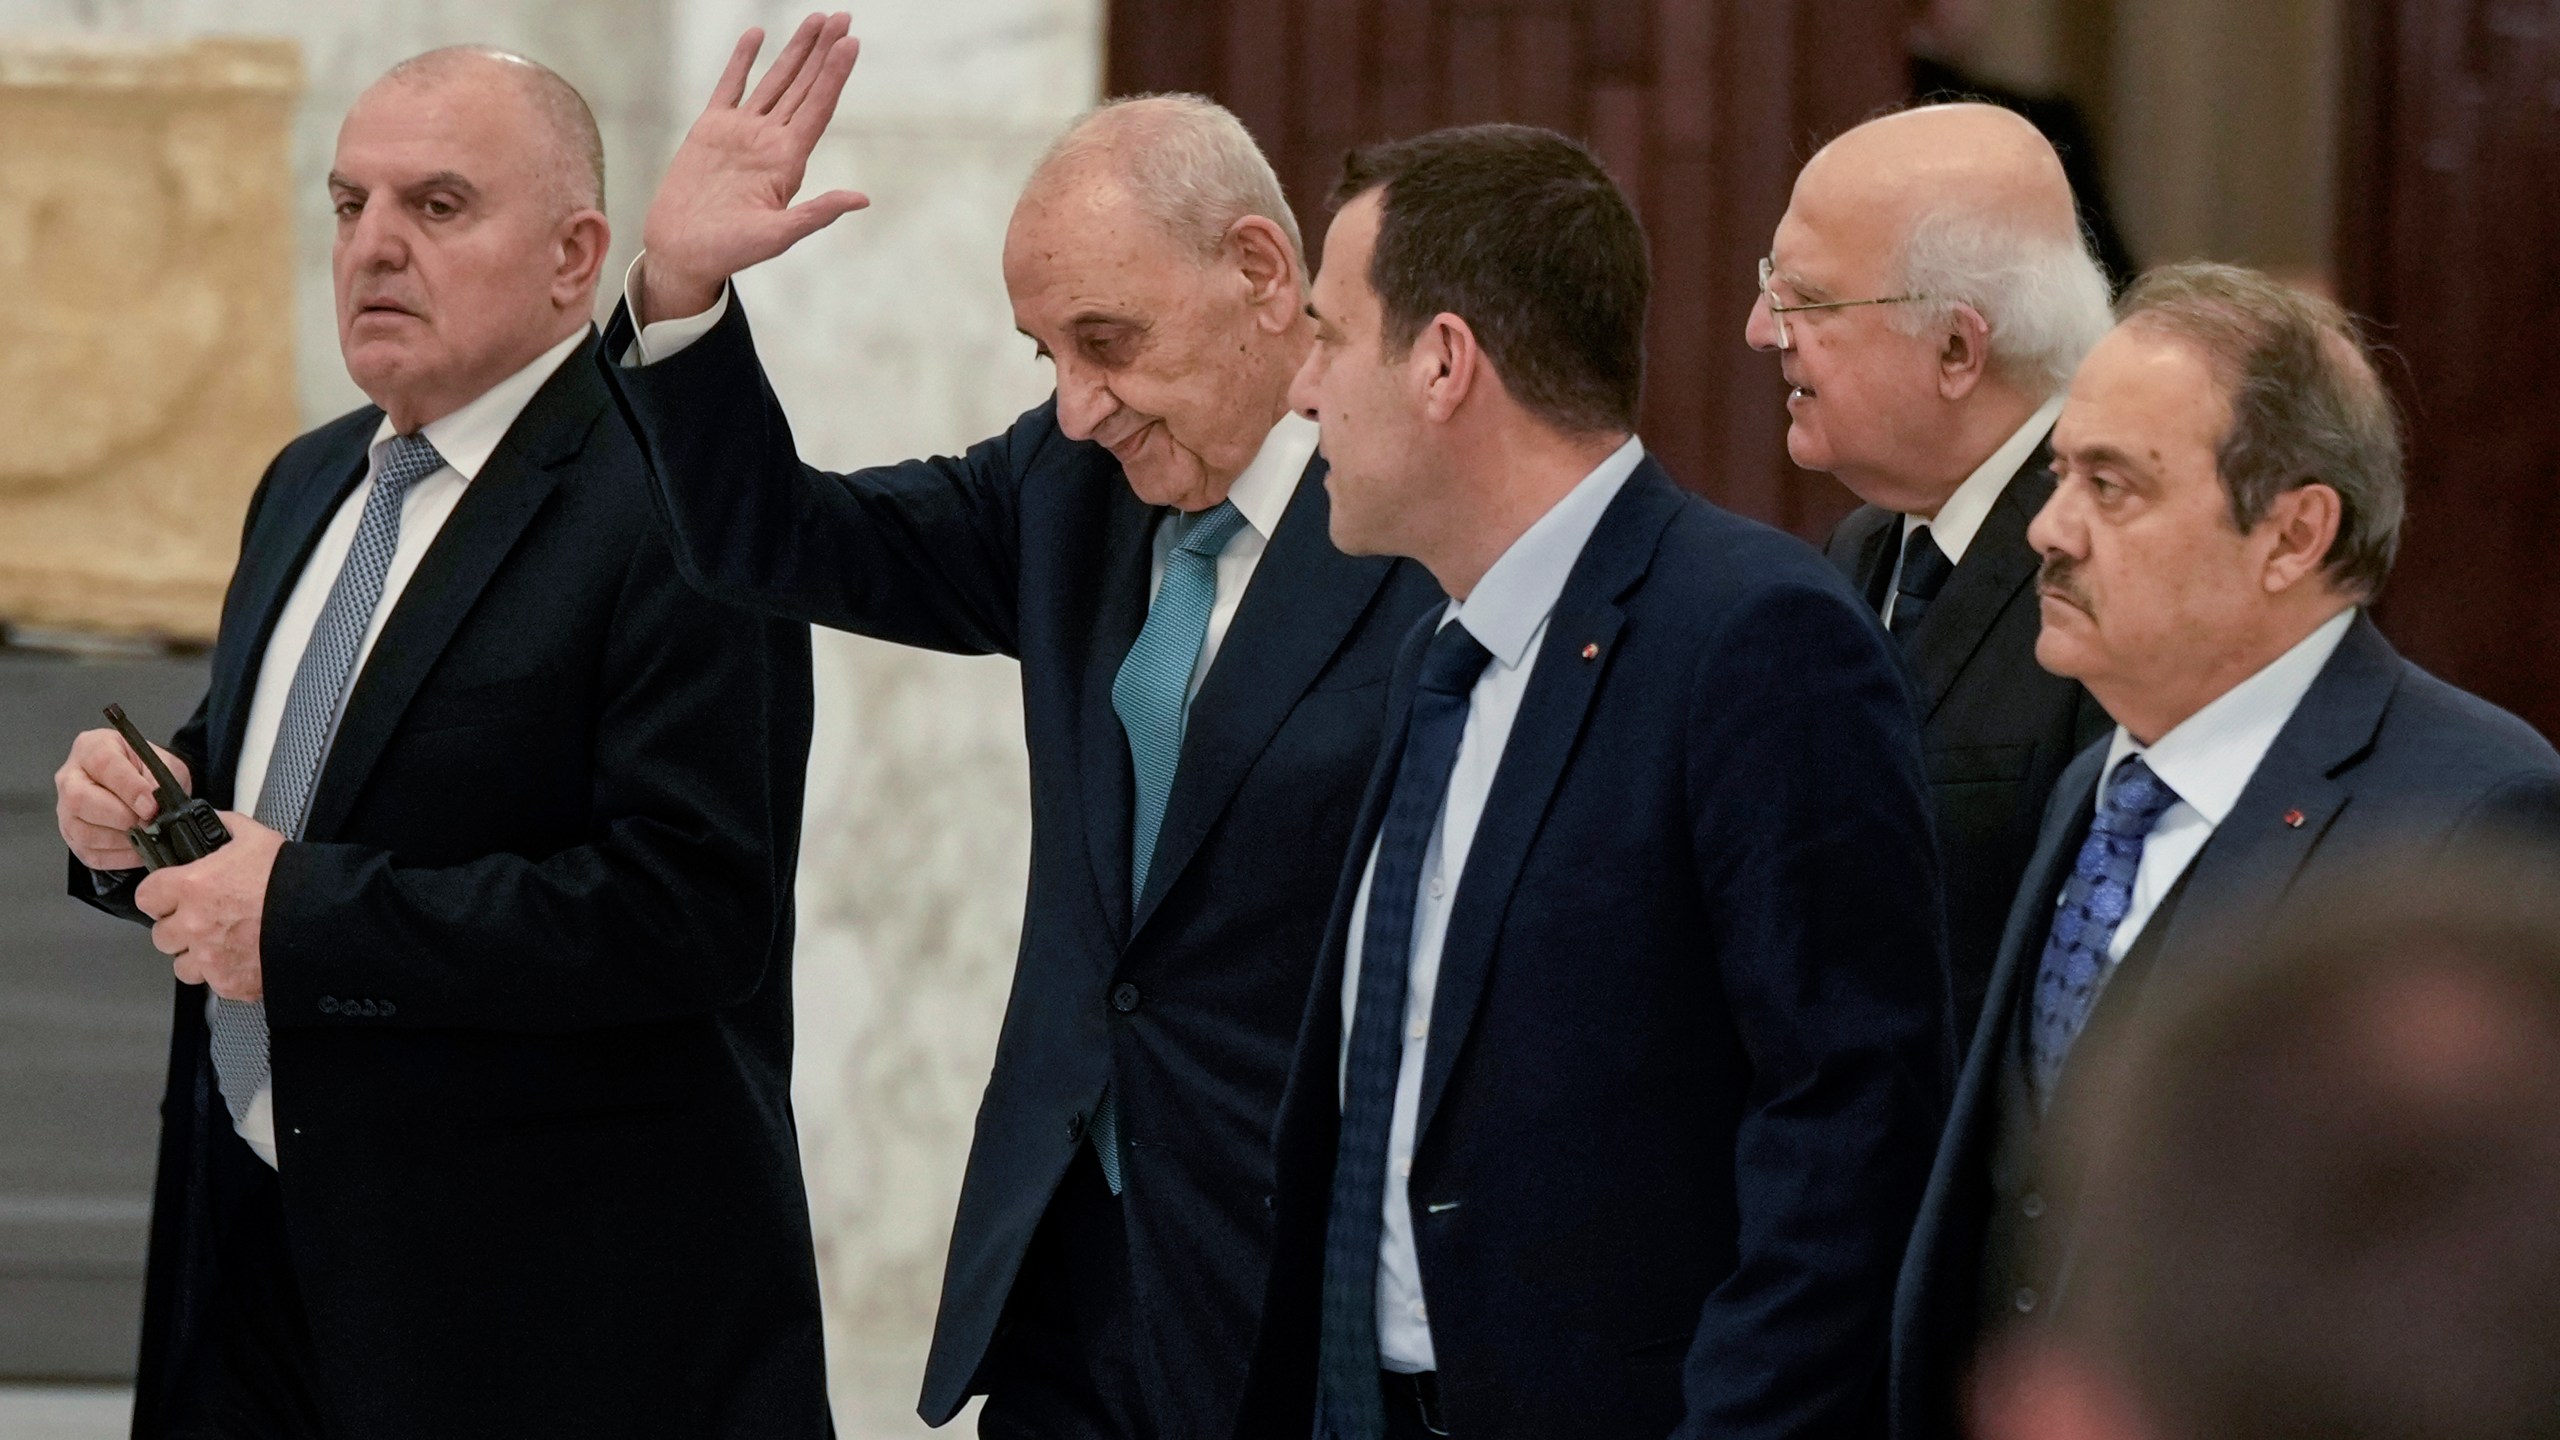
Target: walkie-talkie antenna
point(172, 796)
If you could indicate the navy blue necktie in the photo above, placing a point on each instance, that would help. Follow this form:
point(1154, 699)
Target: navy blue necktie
point(1351, 1406)
point(2094, 903)
point(1925, 569)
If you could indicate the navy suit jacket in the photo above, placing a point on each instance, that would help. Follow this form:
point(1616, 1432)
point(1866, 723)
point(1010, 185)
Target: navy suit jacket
point(1033, 545)
point(528, 974)
point(1688, 1050)
point(2380, 755)
point(1996, 728)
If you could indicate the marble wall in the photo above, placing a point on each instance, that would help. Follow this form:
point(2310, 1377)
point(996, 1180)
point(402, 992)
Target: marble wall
point(887, 336)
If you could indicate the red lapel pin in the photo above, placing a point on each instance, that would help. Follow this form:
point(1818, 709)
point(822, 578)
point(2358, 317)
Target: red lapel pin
point(1591, 651)
point(2293, 819)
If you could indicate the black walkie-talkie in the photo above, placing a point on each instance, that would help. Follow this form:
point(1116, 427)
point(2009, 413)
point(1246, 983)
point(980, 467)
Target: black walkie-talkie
point(186, 828)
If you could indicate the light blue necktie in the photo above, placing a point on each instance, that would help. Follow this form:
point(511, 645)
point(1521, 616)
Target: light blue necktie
point(1151, 694)
point(310, 718)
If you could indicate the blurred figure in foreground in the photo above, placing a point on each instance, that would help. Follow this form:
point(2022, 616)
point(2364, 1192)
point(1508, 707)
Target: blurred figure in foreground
point(2320, 1187)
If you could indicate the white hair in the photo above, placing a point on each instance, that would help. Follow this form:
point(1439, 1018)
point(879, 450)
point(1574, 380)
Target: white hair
point(2045, 298)
point(1188, 163)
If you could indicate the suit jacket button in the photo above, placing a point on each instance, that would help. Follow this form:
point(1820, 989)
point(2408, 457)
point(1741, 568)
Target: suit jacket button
point(2032, 1207)
point(1124, 997)
point(389, 1009)
point(2025, 1300)
point(1075, 1128)
point(328, 1004)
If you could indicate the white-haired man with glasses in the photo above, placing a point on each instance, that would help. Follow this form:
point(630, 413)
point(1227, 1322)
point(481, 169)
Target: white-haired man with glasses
point(1928, 295)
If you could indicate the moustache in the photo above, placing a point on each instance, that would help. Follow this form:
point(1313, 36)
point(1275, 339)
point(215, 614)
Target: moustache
point(2059, 575)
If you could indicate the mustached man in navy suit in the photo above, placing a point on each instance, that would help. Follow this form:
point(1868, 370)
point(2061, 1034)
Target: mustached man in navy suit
point(1203, 679)
point(2230, 499)
point(1630, 1039)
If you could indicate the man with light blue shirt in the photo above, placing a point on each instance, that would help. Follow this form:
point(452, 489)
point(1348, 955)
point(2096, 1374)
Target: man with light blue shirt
point(1625, 1053)
point(2230, 499)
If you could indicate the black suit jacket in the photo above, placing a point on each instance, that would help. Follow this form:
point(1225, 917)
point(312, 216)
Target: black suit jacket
point(527, 974)
point(2379, 755)
point(1032, 545)
point(1996, 727)
point(1687, 1051)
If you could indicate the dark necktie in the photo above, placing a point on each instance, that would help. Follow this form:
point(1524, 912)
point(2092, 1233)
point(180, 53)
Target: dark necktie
point(1925, 569)
point(2094, 902)
point(1351, 1407)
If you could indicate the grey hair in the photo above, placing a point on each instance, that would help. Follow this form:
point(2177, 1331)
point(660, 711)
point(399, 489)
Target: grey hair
point(576, 161)
point(1188, 162)
point(2045, 298)
point(2307, 407)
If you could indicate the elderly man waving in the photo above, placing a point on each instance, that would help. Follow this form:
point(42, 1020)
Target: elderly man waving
point(1203, 676)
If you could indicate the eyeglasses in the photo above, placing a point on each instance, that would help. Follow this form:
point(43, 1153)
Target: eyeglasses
point(1778, 313)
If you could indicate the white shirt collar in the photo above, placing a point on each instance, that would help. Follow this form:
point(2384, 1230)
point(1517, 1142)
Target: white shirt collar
point(1960, 519)
point(1262, 493)
point(469, 436)
point(1515, 597)
point(2210, 756)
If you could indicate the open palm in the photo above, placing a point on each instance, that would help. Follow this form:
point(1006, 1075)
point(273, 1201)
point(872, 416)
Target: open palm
point(726, 201)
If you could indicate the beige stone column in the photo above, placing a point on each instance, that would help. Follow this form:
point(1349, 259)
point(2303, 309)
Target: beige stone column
point(146, 320)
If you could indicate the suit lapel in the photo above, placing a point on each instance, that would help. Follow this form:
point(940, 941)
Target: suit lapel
point(2291, 800)
point(485, 525)
point(269, 565)
point(1110, 785)
point(2067, 816)
point(1863, 552)
point(1997, 566)
point(1580, 646)
point(1305, 597)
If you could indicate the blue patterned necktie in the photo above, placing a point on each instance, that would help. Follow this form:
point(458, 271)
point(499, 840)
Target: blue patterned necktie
point(2093, 904)
point(1352, 1408)
point(1151, 694)
point(310, 718)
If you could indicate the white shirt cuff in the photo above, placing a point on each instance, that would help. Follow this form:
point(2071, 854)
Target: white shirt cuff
point(665, 338)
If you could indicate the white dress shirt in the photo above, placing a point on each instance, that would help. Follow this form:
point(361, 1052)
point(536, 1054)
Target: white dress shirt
point(1507, 614)
point(2208, 760)
point(465, 439)
point(1960, 519)
point(1262, 492)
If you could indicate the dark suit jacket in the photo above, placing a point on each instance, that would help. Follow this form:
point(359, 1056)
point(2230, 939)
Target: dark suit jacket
point(527, 975)
point(1687, 1051)
point(2379, 754)
point(1996, 727)
point(1032, 545)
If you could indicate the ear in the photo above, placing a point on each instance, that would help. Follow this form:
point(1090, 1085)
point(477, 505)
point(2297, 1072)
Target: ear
point(2298, 530)
point(1269, 267)
point(1446, 366)
point(1964, 353)
point(577, 251)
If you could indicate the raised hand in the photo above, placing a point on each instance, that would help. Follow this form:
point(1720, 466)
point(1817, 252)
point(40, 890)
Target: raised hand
point(726, 201)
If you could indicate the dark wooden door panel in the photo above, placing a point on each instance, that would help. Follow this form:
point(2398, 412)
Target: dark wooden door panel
point(2448, 233)
point(1702, 110)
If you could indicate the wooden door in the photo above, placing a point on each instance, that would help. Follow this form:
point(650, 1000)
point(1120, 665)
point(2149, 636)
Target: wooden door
point(1702, 109)
point(2449, 239)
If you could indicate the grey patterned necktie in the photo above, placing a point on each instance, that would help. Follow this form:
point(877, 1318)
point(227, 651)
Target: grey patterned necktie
point(310, 718)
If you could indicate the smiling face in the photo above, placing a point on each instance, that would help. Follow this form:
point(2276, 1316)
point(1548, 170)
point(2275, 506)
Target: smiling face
point(1174, 361)
point(457, 259)
point(1863, 398)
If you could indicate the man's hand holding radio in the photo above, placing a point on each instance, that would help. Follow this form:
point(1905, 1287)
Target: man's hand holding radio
point(205, 915)
point(101, 792)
